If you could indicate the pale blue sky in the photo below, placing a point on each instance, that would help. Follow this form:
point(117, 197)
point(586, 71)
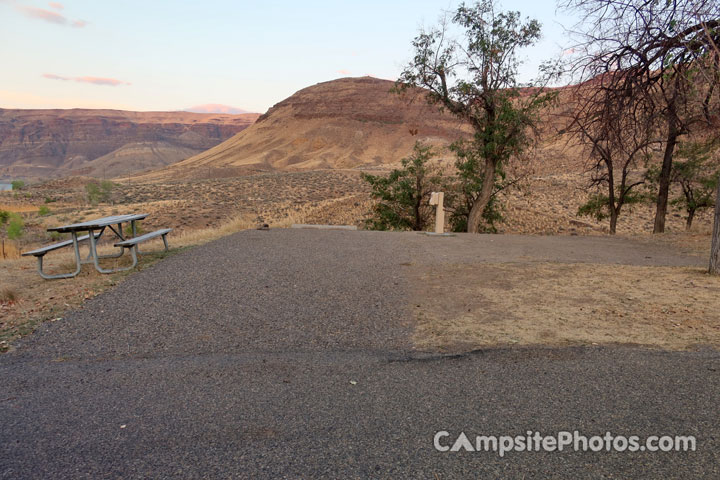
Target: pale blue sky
point(171, 55)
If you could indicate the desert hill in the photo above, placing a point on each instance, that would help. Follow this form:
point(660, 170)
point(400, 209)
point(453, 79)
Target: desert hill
point(344, 123)
point(105, 143)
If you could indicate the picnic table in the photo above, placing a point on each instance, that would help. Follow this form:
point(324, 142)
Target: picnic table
point(95, 230)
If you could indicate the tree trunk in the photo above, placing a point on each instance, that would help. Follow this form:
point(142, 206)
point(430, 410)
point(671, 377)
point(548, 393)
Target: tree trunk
point(690, 217)
point(418, 201)
point(665, 173)
point(611, 195)
point(613, 221)
point(715, 248)
point(416, 213)
point(476, 212)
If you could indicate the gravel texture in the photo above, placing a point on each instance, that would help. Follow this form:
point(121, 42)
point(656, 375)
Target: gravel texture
point(286, 354)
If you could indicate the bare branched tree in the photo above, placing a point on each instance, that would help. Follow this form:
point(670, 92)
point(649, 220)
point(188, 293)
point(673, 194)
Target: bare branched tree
point(651, 50)
point(617, 135)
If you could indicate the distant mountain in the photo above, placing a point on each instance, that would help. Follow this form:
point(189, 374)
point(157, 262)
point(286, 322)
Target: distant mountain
point(106, 143)
point(216, 108)
point(345, 123)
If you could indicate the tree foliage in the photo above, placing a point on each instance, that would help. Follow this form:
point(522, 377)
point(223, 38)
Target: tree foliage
point(12, 223)
point(598, 206)
point(475, 79)
point(99, 192)
point(464, 187)
point(403, 195)
point(695, 171)
point(15, 225)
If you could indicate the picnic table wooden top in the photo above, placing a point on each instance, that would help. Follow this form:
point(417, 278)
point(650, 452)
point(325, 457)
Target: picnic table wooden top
point(98, 223)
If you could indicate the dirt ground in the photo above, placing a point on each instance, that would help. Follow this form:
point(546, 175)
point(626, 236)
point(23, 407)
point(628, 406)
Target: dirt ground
point(462, 307)
point(202, 210)
point(546, 204)
point(197, 204)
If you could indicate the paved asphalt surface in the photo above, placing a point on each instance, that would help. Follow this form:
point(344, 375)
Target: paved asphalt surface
point(286, 354)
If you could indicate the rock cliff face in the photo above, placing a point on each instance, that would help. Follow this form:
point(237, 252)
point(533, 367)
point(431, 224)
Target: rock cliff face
point(52, 143)
point(345, 123)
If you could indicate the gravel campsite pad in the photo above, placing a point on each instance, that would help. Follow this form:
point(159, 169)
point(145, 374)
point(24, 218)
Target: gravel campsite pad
point(301, 354)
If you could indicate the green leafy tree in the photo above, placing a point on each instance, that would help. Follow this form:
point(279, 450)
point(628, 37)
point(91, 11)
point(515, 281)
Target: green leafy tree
point(463, 191)
point(17, 184)
point(99, 192)
point(696, 172)
point(15, 226)
point(601, 206)
point(403, 195)
point(93, 193)
point(106, 186)
point(475, 80)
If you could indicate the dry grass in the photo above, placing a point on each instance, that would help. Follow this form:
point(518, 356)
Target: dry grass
point(8, 295)
point(19, 208)
point(8, 250)
point(201, 204)
point(461, 307)
point(198, 237)
point(548, 205)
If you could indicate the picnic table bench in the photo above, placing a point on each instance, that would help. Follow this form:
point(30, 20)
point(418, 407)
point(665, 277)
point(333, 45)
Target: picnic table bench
point(95, 229)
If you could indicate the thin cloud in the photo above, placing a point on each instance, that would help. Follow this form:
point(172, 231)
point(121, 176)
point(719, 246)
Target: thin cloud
point(42, 14)
point(52, 76)
point(344, 72)
point(111, 82)
point(50, 16)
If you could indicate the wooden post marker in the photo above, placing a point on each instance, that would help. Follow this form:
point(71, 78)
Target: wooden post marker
point(436, 198)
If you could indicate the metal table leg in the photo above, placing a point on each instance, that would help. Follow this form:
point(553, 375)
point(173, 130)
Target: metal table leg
point(119, 233)
point(137, 247)
point(133, 227)
point(89, 258)
point(93, 251)
point(78, 262)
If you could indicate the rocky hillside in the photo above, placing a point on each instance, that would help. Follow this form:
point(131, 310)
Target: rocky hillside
point(106, 143)
point(345, 123)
